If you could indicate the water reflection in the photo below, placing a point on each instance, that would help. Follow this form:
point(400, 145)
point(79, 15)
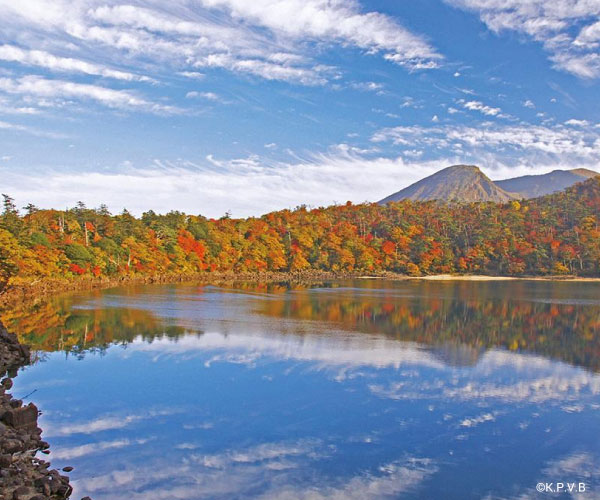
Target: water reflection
point(460, 320)
point(357, 390)
point(59, 325)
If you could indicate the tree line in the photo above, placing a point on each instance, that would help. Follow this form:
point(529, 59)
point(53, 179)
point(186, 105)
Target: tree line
point(552, 235)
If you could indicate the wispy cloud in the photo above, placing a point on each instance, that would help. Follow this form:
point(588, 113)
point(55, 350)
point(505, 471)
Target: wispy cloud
point(30, 130)
point(92, 448)
point(210, 96)
point(367, 86)
point(568, 30)
point(336, 22)
point(238, 472)
point(265, 38)
point(103, 423)
point(37, 86)
point(49, 61)
point(536, 145)
point(213, 186)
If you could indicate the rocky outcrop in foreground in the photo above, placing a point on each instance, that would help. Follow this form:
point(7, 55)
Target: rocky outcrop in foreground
point(22, 475)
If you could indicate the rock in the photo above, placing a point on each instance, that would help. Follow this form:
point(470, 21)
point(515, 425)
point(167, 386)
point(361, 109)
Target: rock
point(64, 490)
point(67, 469)
point(19, 418)
point(12, 445)
point(25, 353)
point(46, 488)
point(23, 476)
point(20, 493)
point(5, 461)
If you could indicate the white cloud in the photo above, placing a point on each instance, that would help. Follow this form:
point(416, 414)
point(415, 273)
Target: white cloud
point(568, 29)
point(210, 96)
point(238, 471)
point(192, 74)
point(475, 421)
point(104, 423)
point(412, 153)
point(29, 130)
point(536, 145)
point(345, 172)
point(61, 89)
point(88, 449)
point(46, 60)
point(198, 187)
point(270, 39)
point(265, 454)
point(580, 464)
point(577, 123)
point(584, 66)
point(248, 346)
point(392, 480)
point(529, 104)
point(367, 86)
point(335, 21)
point(482, 108)
point(409, 102)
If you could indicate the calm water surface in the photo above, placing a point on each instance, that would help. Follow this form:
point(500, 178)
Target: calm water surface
point(361, 389)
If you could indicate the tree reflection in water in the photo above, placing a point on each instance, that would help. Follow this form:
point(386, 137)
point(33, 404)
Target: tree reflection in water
point(459, 320)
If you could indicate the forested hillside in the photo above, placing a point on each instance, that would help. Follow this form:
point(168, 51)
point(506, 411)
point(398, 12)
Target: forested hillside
point(555, 234)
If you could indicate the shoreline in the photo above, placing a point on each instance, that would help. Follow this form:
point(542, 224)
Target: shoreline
point(22, 474)
point(484, 277)
point(41, 289)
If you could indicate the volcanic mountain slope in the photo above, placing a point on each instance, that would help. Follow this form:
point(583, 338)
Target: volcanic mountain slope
point(456, 183)
point(532, 186)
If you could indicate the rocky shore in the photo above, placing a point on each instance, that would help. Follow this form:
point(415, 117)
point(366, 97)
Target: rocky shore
point(38, 290)
point(23, 476)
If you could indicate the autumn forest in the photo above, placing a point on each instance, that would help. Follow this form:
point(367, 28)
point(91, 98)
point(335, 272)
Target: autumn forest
point(557, 234)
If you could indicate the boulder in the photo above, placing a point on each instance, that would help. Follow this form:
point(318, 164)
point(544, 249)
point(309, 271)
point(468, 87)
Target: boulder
point(22, 417)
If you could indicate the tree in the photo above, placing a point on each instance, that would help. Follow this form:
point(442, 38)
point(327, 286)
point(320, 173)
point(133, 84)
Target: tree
point(9, 252)
point(10, 216)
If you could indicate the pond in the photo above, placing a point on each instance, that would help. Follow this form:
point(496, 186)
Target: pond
point(351, 389)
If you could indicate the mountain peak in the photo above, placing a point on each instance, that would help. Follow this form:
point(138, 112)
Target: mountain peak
point(584, 172)
point(532, 186)
point(457, 182)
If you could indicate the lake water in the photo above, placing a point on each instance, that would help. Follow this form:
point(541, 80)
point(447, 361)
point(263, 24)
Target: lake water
point(360, 389)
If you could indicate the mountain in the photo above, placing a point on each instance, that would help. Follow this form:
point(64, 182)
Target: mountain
point(532, 186)
point(468, 183)
point(459, 182)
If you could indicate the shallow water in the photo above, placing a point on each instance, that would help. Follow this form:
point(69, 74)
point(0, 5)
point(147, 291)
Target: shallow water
point(358, 389)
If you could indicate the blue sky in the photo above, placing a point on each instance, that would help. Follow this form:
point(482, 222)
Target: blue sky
point(210, 106)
